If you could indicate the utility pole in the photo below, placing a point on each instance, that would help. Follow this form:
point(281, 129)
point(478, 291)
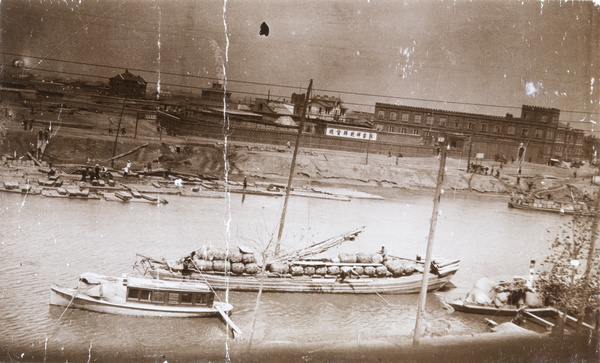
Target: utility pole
point(112, 162)
point(289, 185)
point(427, 266)
point(470, 147)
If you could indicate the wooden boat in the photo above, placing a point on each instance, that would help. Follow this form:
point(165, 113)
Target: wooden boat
point(340, 278)
point(554, 208)
point(140, 297)
point(465, 307)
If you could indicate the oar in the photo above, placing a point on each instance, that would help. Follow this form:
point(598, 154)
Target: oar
point(229, 321)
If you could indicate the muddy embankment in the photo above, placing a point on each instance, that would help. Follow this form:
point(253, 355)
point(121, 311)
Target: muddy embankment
point(265, 163)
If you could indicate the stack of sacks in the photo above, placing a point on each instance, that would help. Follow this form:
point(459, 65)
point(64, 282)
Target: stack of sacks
point(217, 259)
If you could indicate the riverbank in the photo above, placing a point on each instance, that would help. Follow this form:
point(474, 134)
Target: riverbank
point(270, 164)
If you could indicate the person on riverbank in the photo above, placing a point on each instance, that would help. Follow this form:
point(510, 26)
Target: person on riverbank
point(97, 172)
point(126, 169)
point(245, 183)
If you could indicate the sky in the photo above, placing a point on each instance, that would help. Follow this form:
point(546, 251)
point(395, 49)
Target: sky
point(484, 57)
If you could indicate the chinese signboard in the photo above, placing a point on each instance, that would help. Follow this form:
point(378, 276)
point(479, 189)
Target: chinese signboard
point(352, 134)
point(146, 115)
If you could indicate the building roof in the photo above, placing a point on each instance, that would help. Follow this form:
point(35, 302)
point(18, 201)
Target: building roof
point(128, 76)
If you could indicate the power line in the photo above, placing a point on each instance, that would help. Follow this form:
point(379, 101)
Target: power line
point(253, 83)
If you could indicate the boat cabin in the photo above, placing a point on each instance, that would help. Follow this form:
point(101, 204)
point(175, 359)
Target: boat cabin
point(160, 292)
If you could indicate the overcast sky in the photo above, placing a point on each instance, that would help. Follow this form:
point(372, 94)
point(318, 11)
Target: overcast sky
point(486, 57)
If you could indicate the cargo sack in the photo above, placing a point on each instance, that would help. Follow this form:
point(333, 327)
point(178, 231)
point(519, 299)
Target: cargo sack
point(370, 271)
point(321, 271)
point(376, 258)
point(248, 258)
point(347, 258)
point(279, 268)
point(381, 271)
point(237, 268)
point(359, 270)
point(251, 268)
point(219, 254)
point(395, 267)
point(220, 265)
point(205, 253)
point(203, 265)
point(309, 270)
point(333, 270)
point(362, 257)
point(297, 270)
point(235, 256)
point(477, 296)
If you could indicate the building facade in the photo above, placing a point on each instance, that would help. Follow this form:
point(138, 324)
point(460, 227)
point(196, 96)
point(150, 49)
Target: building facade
point(537, 131)
point(127, 85)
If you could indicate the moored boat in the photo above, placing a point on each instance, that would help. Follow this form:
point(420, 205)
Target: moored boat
point(140, 297)
point(466, 307)
point(296, 272)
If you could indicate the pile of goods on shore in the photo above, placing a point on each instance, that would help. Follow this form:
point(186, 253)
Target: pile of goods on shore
point(241, 261)
point(516, 293)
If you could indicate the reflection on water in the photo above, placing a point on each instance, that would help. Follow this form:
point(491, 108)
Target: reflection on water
point(46, 241)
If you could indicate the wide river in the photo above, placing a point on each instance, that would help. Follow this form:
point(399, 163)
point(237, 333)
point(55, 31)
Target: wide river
point(48, 240)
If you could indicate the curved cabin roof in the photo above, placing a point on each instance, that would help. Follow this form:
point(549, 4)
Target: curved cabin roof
point(163, 285)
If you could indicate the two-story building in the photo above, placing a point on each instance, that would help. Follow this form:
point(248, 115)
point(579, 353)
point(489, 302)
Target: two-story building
point(127, 85)
point(537, 130)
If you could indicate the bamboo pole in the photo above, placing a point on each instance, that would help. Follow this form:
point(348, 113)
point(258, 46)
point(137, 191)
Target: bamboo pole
point(289, 185)
point(427, 267)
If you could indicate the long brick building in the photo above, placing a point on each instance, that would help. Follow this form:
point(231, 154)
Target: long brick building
point(538, 131)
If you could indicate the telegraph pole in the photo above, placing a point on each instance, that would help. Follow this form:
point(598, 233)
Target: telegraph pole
point(427, 266)
point(112, 162)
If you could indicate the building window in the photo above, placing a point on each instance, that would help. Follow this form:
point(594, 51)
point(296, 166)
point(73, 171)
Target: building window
point(525, 132)
point(405, 117)
point(484, 127)
point(390, 128)
point(393, 116)
point(379, 127)
point(443, 121)
point(417, 119)
point(380, 114)
point(403, 130)
point(471, 126)
point(549, 135)
point(429, 120)
point(538, 133)
point(510, 130)
point(544, 118)
point(457, 124)
point(415, 131)
point(497, 129)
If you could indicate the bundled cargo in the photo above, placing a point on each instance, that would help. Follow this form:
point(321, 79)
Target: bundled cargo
point(221, 265)
point(248, 258)
point(381, 271)
point(297, 270)
point(321, 271)
point(203, 265)
point(362, 257)
point(237, 268)
point(347, 258)
point(309, 270)
point(359, 270)
point(251, 268)
point(333, 270)
point(277, 267)
point(235, 256)
point(370, 271)
point(395, 267)
point(219, 254)
point(376, 258)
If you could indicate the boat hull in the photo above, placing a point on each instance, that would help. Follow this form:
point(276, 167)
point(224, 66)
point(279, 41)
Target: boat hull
point(567, 211)
point(460, 305)
point(307, 284)
point(69, 297)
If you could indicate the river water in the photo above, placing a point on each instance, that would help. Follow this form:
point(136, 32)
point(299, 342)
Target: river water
point(48, 240)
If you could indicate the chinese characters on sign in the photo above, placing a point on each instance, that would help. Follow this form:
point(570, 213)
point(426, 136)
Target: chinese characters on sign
point(352, 134)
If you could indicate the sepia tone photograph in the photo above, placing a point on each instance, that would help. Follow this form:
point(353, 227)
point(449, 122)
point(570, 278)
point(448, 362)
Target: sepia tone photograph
point(299, 181)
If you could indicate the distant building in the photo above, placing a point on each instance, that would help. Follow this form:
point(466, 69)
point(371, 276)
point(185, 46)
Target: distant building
point(127, 85)
point(215, 94)
point(328, 108)
point(537, 130)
